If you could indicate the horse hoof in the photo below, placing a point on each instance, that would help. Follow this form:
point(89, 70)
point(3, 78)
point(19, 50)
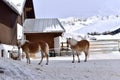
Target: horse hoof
point(78, 61)
point(28, 63)
point(72, 61)
point(85, 61)
point(1, 71)
point(46, 63)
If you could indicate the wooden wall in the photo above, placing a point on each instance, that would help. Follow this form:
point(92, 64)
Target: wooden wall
point(48, 37)
point(8, 24)
point(29, 9)
point(9, 20)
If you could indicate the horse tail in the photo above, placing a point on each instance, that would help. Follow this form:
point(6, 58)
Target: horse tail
point(47, 48)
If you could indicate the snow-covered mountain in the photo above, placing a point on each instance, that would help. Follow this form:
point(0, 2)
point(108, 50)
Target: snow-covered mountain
point(93, 24)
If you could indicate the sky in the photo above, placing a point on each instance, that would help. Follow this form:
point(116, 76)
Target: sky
point(75, 8)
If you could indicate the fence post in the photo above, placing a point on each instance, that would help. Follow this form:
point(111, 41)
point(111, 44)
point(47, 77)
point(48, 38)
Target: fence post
point(61, 48)
point(119, 45)
point(2, 53)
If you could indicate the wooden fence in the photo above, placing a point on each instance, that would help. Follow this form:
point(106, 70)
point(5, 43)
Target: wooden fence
point(96, 46)
point(105, 45)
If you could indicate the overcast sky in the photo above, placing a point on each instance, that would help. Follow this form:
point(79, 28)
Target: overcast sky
point(75, 8)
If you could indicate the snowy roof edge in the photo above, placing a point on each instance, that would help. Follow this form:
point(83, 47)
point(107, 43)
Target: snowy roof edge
point(14, 7)
point(42, 29)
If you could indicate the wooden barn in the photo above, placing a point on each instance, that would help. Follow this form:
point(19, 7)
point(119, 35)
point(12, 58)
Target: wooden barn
point(12, 15)
point(46, 29)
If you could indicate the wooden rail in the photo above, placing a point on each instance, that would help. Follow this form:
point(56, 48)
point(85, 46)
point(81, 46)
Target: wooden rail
point(105, 45)
point(97, 46)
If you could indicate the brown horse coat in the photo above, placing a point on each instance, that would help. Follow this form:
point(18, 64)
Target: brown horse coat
point(31, 48)
point(78, 47)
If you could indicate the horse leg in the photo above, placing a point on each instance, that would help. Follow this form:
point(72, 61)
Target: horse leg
point(28, 58)
point(86, 54)
point(78, 57)
point(73, 58)
point(40, 60)
point(42, 56)
point(46, 55)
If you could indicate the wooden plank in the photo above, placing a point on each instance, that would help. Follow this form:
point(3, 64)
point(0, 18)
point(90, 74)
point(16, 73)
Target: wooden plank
point(104, 45)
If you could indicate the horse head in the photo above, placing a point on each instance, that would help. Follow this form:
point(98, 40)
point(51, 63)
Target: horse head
point(71, 41)
point(22, 42)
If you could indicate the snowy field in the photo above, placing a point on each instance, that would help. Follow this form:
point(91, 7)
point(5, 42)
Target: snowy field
point(102, 66)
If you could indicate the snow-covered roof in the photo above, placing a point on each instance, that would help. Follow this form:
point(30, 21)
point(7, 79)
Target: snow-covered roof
point(16, 5)
point(42, 25)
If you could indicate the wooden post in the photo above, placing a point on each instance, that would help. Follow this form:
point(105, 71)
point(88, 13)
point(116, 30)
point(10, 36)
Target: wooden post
point(61, 48)
point(2, 53)
point(18, 46)
point(119, 45)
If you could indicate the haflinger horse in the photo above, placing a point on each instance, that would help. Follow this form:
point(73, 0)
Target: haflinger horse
point(31, 48)
point(78, 47)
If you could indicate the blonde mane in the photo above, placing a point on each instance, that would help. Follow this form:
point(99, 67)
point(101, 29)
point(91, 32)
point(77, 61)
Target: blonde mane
point(73, 41)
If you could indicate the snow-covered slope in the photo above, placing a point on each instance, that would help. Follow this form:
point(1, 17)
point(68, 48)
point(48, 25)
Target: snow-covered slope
point(100, 24)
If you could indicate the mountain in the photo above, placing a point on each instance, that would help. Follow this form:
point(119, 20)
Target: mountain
point(115, 31)
point(97, 24)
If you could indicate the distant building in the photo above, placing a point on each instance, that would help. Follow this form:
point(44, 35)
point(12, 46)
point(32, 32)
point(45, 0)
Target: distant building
point(12, 15)
point(13, 12)
point(43, 29)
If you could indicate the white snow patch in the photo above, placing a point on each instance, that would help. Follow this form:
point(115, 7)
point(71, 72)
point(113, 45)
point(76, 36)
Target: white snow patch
point(99, 67)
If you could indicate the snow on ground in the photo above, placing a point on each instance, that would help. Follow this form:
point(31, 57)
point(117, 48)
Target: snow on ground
point(102, 66)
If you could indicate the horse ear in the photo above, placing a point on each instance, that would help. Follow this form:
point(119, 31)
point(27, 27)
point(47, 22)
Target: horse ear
point(67, 38)
point(27, 40)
